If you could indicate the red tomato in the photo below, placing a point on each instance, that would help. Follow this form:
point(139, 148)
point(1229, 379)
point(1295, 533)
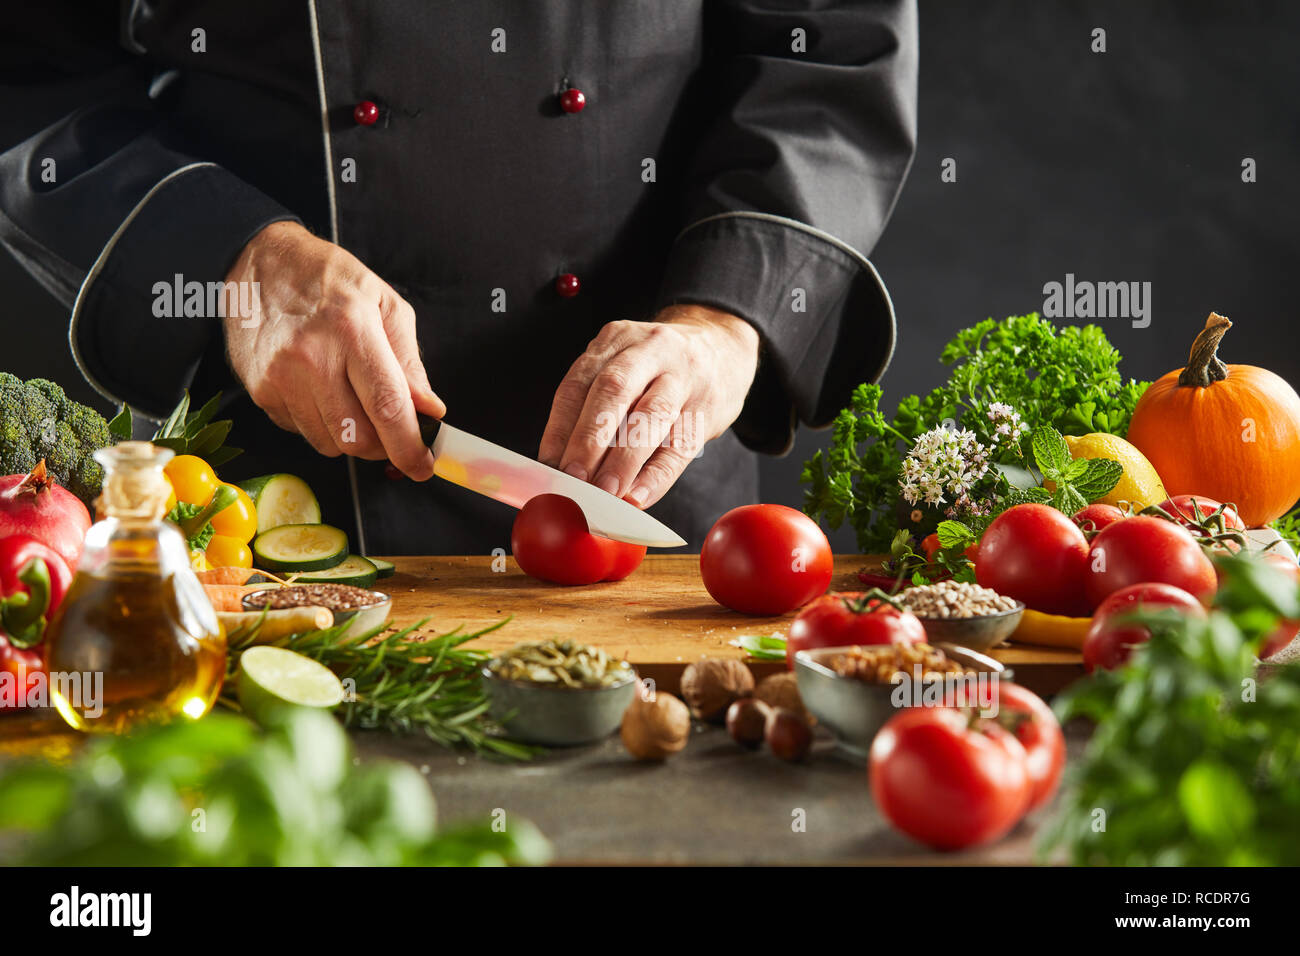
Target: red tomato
point(1097, 516)
point(551, 542)
point(1287, 629)
point(1191, 510)
point(842, 619)
point(1032, 722)
point(22, 666)
point(1109, 644)
point(765, 560)
point(946, 783)
point(930, 545)
point(1147, 549)
point(1035, 554)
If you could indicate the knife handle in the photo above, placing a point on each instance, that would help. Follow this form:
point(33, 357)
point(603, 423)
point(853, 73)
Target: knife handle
point(428, 428)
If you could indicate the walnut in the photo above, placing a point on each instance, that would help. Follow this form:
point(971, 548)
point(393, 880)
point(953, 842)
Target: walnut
point(711, 686)
point(655, 725)
point(781, 691)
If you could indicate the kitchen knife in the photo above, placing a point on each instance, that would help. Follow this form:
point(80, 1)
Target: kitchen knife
point(509, 477)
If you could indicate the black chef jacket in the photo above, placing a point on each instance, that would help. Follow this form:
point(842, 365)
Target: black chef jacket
point(742, 154)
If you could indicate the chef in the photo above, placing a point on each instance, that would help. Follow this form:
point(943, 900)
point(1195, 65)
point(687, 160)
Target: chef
point(628, 239)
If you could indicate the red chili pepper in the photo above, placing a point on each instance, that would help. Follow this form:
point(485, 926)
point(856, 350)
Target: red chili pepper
point(33, 581)
point(24, 666)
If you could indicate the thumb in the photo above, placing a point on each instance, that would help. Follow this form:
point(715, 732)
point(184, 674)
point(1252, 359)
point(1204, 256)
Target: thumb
point(399, 326)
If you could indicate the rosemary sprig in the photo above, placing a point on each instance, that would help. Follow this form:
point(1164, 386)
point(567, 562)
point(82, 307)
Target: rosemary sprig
point(405, 685)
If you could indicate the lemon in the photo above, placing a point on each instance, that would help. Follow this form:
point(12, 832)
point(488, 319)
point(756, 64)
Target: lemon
point(1139, 484)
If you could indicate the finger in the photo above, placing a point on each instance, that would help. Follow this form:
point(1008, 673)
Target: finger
point(308, 423)
point(667, 463)
point(347, 422)
point(613, 390)
point(385, 395)
point(571, 395)
point(648, 425)
point(400, 327)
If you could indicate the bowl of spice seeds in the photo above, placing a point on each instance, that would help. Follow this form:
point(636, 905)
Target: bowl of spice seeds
point(955, 612)
point(558, 693)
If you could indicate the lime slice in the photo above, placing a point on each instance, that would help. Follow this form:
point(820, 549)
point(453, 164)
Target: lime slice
point(273, 679)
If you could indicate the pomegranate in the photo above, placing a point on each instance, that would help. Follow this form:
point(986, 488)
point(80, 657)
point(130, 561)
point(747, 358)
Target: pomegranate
point(34, 505)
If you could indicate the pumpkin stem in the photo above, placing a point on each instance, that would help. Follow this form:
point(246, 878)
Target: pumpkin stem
point(1203, 365)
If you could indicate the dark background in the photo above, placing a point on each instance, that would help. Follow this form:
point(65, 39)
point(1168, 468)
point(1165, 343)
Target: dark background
point(1115, 166)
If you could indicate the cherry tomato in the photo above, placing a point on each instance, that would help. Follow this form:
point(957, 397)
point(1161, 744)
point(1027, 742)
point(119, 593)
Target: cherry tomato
point(226, 552)
point(765, 560)
point(1191, 511)
point(930, 545)
point(192, 479)
point(551, 542)
point(1109, 644)
point(1035, 554)
point(1145, 549)
point(1287, 629)
point(842, 619)
point(945, 782)
point(1031, 721)
point(238, 520)
point(1097, 516)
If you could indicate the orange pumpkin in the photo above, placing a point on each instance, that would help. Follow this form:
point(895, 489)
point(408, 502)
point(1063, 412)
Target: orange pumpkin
point(1228, 432)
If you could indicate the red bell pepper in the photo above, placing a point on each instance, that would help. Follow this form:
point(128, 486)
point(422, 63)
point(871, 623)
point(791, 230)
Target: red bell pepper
point(33, 581)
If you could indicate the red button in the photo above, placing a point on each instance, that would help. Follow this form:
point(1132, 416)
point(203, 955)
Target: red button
point(365, 113)
point(567, 285)
point(572, 101)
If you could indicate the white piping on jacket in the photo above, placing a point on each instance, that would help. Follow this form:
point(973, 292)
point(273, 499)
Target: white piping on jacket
point(334, 229)
point(98, 267)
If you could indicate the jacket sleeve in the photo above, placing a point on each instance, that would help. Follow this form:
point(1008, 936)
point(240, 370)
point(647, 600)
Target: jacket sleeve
point(813, 131)
point(104, 203)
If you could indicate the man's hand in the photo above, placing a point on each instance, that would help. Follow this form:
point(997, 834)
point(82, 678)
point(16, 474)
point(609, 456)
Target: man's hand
point(330, 350)
point(682, 377)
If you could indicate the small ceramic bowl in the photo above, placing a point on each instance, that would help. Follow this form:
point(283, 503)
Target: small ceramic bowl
point(854, 710)
point(555, 715)
point(978, 633)
point(366, 618)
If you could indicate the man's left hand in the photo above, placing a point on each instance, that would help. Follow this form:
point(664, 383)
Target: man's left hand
point(640, 402)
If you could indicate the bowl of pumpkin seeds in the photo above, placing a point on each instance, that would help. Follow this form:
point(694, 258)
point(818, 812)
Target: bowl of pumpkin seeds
point(558, 693)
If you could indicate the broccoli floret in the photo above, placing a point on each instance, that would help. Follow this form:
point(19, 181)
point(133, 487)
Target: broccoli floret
point(38, 420)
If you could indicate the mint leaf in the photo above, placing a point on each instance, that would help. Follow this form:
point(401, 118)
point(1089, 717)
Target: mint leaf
point(1066, 499)
point(1051, 453)
point(1075, 469)
point(954, 534)
point(1099, 476)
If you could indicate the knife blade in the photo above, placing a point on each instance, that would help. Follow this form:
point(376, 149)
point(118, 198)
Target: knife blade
point(511, 478)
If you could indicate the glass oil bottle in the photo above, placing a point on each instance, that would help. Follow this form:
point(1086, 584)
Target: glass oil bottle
point(135, 623)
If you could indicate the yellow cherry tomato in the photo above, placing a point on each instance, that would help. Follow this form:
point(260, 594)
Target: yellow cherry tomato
point(239, 520)
point(192, 479)
point(171, 495)
point(226, 552)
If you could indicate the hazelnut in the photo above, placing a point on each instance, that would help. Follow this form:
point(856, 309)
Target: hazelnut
point(709, 686)
point(747, 721)
point(788, 735)
point(781, 690)
point(655, 725)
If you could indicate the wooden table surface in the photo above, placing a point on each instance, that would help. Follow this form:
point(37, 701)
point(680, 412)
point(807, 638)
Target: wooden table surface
point(661, 618)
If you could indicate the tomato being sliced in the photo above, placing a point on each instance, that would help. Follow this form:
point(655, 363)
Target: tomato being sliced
point(946, 782)
point(765, 560)
point(1146, 549)
point(550, 541)
point(845, 618)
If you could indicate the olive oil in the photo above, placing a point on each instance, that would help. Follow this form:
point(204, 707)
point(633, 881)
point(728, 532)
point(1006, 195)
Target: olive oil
point(135, 614)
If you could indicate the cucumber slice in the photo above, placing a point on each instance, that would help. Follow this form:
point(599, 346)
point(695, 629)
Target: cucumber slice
point(282, 499)
point(386, 569)
point(354, 569)
point(300, 547)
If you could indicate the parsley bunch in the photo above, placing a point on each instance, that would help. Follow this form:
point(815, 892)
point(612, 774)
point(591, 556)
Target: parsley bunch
point(1067, 378)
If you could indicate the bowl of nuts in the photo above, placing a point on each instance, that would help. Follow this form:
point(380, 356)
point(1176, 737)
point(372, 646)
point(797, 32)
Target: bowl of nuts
point(955, 612)
point(558, 693)
point(852, 691)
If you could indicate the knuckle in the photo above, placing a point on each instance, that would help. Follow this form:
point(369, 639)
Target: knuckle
point(614, 379)
point(388, 407)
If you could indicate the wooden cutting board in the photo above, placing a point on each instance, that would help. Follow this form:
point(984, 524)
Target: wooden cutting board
point(660, 618)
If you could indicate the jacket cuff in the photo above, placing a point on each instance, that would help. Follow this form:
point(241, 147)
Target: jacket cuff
point(127, 335)
point(824, 315)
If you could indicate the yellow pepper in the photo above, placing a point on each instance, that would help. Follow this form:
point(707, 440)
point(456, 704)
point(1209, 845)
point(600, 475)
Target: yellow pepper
point(193, 482)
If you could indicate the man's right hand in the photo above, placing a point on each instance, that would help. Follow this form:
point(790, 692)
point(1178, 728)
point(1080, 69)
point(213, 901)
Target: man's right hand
point(330, 350)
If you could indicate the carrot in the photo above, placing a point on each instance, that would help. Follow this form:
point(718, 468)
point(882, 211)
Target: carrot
point(226, 597)
point(226, 576)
